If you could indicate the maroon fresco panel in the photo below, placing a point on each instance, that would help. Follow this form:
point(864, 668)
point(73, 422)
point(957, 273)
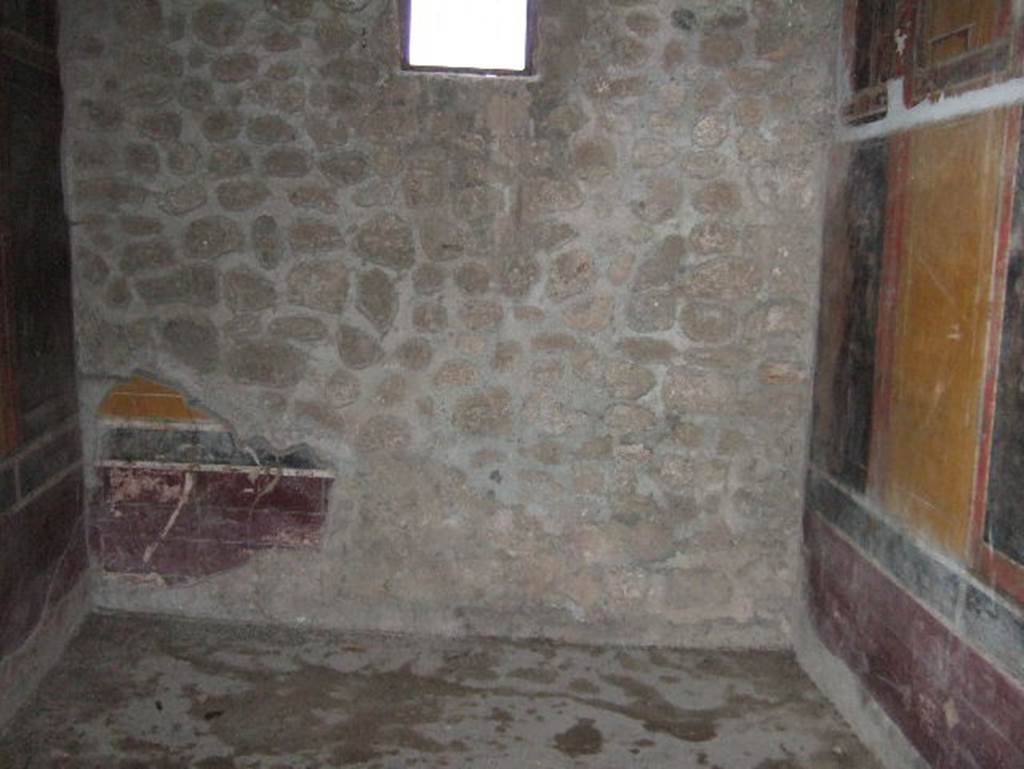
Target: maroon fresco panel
point(141, 486)
point(264, 491)
point(230, 524)
point(185, 558)
point(225, 517)
point(955, 707)
point(120, 549)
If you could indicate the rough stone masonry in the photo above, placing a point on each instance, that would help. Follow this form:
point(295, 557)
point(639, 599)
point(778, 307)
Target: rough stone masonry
point(552, 333)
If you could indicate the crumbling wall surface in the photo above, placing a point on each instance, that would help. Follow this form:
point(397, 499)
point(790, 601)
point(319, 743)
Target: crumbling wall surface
point(553, 333)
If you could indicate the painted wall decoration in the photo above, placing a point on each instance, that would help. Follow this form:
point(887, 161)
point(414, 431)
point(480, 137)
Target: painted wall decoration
point(872, 29)
point(1001, 513)
point(912, 248)
point(958, 708)
point(914, 529)
point(1006, 483)
point(938, 47)
point(960, 46)
point(913, 522)
point(851, 279)
point(180, 497)
point(944, 268)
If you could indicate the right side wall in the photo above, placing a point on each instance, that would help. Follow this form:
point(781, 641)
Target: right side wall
point(914, 534)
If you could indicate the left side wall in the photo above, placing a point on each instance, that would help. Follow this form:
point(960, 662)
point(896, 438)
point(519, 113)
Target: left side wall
point(43, 556)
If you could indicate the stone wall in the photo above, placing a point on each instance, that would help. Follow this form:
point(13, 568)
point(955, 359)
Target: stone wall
point(552, 333)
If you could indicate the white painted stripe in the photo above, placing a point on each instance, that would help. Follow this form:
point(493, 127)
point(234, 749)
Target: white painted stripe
point(288, 472)
point(144, 424)
point(901, 119)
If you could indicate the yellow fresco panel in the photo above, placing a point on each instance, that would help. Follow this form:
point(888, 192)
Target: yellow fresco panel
point(144, 400)
point(941, 325)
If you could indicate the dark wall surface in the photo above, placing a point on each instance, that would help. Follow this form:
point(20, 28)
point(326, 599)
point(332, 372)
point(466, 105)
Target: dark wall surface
point(845, 374)
point(1004, 527)
point(40, 254)
point(42, 544)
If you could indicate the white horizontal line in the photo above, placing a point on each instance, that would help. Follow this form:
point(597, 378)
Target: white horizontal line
point(291, 472)
point(900, 118)
point(145, 424)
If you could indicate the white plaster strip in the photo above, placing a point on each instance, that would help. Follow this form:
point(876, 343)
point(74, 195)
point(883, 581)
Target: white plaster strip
point(288, 472)
point(900, 118)
point(144, 424)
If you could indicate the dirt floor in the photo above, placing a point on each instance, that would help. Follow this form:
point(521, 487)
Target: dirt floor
point(137, 692)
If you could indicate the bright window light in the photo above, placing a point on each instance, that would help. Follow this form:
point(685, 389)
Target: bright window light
point(489, 35)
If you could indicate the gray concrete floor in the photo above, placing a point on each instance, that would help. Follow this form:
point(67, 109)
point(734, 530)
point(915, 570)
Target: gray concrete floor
point(136, 692)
